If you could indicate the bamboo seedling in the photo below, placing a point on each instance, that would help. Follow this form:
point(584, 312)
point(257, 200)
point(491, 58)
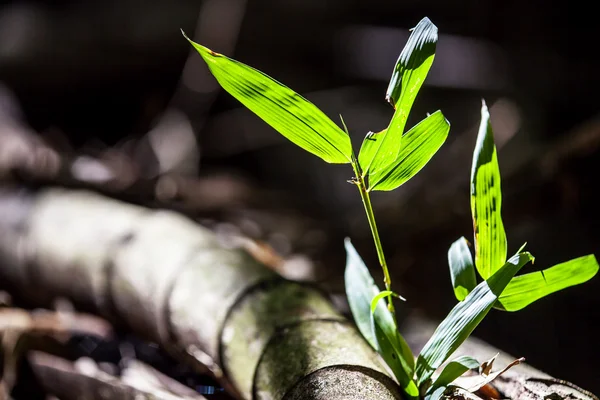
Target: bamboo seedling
point(386, 160)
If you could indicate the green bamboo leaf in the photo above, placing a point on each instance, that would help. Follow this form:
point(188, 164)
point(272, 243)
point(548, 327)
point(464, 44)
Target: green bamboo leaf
point(360, 290)
point(413, 64)
point(286, 111)
point(436, 394)
point(418, 147)
point(368, 148)
point(451, 371)
point(525, 289)
point(379, 330)
point(454, 369)
point(381, 295)
point(486, 201)
point(462, 271)
point(465, 317)
point(395, 352)
point(407, 78)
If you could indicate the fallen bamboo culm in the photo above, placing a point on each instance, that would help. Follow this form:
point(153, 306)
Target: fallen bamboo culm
point(171, 281)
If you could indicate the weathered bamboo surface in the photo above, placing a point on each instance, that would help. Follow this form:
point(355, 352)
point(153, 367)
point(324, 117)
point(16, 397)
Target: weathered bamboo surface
point(172, 282)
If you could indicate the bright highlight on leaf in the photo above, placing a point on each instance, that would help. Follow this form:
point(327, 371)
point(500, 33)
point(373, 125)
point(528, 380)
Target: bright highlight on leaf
point(486, 201)
point(418, 147)
point(465, 317)
point(413, 63)
point(369, 148)
point(408, 77)
point(525, 289)
point(462, 271)
point(490, 238)
point(378, 327)
point(286, 111)
point(381, 295)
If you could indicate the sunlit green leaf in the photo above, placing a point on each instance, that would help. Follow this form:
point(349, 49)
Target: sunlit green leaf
point(381, 295)
point(381, 331)
point(465, 317)
point(451, 371)
point(525, 289)
point(418, 147)
point(521, 248)
point(407, 78)
point(486, 201)
point(462, 271)
point(413, 64)
point(286, 111)
point(368, 148)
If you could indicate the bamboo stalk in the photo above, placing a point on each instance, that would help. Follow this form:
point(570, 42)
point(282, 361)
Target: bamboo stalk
point(172, 282)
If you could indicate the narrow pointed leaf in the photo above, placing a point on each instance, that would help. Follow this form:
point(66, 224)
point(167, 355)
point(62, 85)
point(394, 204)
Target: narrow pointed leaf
point(486, 201)
point(436, 394)
point(521, 248)
point(368, 148)
point(360, 290)
point(395, 351)
point(418, 147)
point(381, 295)
point(525, 289)
point(407, 78)
point(465, 317)
point(286, 111)
point(413, 63)
point(453, 370)
point(462, 271)
point(380, 329)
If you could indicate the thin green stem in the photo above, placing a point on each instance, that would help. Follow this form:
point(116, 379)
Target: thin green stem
point(366, 199)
